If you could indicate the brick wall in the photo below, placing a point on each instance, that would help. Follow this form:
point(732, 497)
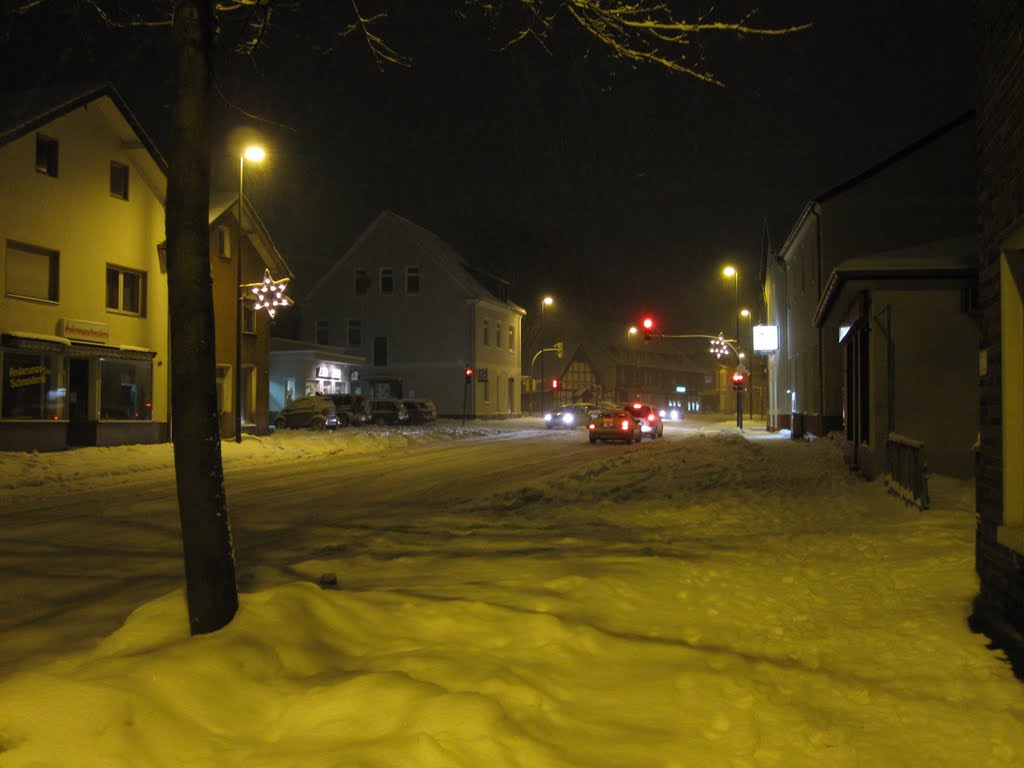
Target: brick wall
point(999, 608)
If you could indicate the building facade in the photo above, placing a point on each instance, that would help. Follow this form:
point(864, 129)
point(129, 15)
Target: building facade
point(83, 292)
point(259, 258)
point(421, 316)
point(999, 607)
point(920, 194)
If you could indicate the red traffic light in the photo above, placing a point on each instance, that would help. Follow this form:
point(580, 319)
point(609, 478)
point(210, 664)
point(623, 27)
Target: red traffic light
point(738, 379)
point(648, 325)
point(554, 383)
point(469, 374)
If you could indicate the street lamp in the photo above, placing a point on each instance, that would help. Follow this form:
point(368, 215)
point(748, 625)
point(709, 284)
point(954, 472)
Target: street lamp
point(253, 154)
point(545, 302)
point(732, 272)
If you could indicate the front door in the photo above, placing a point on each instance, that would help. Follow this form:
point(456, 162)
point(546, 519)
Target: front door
point(81, 425)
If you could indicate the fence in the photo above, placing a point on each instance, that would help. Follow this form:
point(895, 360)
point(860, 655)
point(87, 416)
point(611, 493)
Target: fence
point(906, 471)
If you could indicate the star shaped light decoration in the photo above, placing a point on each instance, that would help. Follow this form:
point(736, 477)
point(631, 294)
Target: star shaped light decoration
point(270, 293)
point(719, 347)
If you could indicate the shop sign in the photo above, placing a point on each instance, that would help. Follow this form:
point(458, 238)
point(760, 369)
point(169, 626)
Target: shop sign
point(83, 330)
point(27, 375)
point(322, 372)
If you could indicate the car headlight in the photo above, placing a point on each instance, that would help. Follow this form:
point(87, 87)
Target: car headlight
point(674, 414)
point(547, 417)
point(567, 418)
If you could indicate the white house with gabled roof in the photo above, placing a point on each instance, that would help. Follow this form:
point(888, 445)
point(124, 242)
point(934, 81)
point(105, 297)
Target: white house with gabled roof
point(421, 316)
point(83, 295)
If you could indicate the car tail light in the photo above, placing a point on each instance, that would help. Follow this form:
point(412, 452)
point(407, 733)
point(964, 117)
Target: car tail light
point(651, 417)
point(626, 426)
point(591, 425)
point(637, 406)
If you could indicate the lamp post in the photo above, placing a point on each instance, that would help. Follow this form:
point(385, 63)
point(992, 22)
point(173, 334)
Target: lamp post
point(253, 154)
point(746, 315)
point(547, 301)
point(732, 272)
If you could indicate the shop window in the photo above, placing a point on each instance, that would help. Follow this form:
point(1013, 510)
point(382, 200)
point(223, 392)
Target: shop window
point(380, 350)
point(387, 281)
point(323, 335)
point(412, 280)
point(118, 180)
point(30, 386)
point(31, 272)
point(126, 388)
point(126, 291)
point(362, 282)
point(355, 333)
point(47, 155)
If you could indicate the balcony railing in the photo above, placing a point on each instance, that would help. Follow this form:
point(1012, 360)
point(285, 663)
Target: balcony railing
point(906, 471)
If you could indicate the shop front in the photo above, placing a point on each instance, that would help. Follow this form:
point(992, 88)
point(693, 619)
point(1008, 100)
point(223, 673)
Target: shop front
point(57, 393)
point(298, 368)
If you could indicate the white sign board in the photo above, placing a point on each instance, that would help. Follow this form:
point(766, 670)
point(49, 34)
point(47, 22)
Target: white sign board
point(766, 338)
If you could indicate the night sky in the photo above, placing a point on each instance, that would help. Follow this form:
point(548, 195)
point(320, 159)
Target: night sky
point(621, 190)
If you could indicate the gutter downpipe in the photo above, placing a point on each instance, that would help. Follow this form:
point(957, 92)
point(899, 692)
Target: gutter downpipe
point(816, 210)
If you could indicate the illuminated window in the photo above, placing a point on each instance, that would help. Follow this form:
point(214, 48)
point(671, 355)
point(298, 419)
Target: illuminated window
point(126, 390)
point(47, 155)
point(119, 180)
point(126, 291)
point(31, 272)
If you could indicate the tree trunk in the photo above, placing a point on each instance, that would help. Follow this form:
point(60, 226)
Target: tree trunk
point(206, 534)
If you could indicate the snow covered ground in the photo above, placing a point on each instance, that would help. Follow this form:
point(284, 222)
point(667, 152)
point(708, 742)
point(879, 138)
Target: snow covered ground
point(710, 599)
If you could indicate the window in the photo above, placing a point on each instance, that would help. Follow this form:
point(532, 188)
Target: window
point(487, 333)
point(323, 335)
point(223, 243)
point(125, 389)
point(47, 155)
point(248, 317)
point(511, 338)
point(387, 281)
point(362, 282)
point(119, 180)
point(412, 280)
point(355, 333)
point(30, 389)
point(31, 272)
point(222, 378)
point(380, 350)
point(126, 291)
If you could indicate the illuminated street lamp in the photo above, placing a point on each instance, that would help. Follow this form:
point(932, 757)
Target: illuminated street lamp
point(545, 302)
point(734, 273)
point(253, 154)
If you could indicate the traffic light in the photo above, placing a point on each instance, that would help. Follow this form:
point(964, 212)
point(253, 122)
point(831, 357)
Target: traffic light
point(738, 380)
point(554, 383)
point(648, 325)
point(469, 375)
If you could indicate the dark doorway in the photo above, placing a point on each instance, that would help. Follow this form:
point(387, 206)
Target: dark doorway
point(81, 431)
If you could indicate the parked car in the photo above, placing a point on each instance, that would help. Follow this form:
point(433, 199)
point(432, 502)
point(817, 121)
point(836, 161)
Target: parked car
point(614, 425)
point(573, 415)
point(651, 423)
point(388, 410)
point(352, 409)
point(314, 411)
point(421, 411)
